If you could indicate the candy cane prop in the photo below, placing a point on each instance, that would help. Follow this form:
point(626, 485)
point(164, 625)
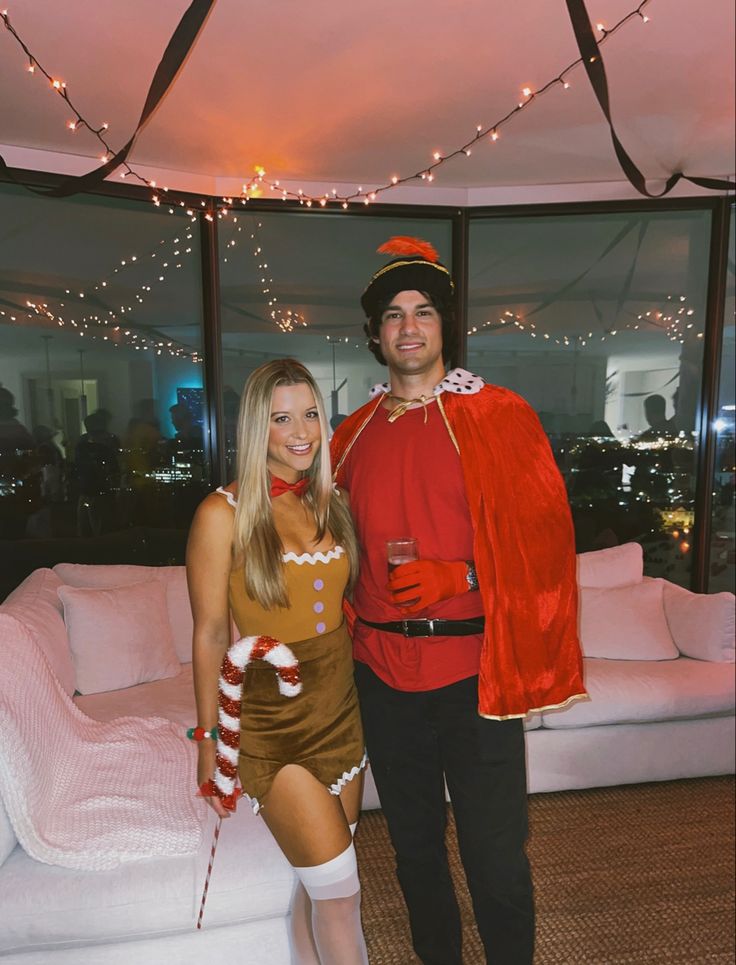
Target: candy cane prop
point(218, 826)
point(240, 654)
point(230, 697)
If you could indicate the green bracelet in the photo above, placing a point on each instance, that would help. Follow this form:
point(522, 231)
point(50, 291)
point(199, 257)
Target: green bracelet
point(199, 733)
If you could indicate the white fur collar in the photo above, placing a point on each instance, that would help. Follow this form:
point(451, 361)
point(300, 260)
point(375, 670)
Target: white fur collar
point(458, 381)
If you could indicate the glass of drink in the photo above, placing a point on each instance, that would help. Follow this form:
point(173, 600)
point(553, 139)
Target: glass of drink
point(400, 551)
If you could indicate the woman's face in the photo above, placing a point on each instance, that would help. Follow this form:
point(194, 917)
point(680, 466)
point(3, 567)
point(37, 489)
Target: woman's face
point(295, 434)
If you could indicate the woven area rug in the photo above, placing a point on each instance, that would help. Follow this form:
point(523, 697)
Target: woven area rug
point(633, 875)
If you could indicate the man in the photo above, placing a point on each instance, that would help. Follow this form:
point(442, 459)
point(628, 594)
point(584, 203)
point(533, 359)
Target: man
point(660, 427)
point(453, 650)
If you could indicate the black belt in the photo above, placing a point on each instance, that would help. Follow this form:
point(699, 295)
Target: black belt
point(431, 628)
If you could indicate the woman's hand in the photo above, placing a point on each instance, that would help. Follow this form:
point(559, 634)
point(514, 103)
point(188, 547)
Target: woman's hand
point(205, 775)
point(217, 806)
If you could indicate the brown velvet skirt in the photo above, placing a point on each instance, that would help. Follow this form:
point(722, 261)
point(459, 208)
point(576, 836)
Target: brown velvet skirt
point(319, 729)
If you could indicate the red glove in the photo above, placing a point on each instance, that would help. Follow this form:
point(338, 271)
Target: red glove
point(229, 801)
point(421, 583)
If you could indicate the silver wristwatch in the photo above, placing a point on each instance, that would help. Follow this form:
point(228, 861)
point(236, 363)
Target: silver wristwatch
point(471, 576)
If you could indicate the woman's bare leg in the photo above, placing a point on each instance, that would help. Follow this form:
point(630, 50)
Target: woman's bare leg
point(311, 827)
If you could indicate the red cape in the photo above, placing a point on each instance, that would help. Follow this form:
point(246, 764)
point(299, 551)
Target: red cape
point(524, 549)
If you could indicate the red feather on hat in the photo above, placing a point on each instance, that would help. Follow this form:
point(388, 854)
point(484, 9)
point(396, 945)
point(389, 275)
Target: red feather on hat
point(405, 245)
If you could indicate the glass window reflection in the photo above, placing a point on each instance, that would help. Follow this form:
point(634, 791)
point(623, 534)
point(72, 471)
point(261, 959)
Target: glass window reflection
point(290, 285)
point(722, 569)
point(598, 320)
point(101, 385)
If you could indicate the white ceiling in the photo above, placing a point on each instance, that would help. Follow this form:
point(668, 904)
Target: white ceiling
point(340, 94)
point(327, 94)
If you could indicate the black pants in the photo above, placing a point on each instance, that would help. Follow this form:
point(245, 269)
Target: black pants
point(415, 741)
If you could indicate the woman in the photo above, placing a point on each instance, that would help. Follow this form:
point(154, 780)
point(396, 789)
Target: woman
point(277, 549)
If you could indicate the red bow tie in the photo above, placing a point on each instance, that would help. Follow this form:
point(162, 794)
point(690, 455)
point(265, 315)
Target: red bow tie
point(279, 486)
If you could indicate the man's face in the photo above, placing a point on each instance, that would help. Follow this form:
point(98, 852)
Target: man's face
point(411, 334)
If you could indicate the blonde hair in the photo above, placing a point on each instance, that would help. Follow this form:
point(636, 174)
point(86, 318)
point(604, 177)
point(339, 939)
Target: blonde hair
point(256, 544)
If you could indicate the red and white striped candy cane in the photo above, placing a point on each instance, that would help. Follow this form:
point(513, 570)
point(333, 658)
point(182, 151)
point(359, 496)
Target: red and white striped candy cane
point(240, 654)
point(218, 826)
point(230, 696)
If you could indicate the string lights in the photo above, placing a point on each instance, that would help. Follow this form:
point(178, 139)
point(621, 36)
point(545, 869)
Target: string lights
point(287, 320)
point(181, 248)
point(675, 322)
point(116, 326)
point(99, 329)
point(511, 320)
point(488, 133)
point(78, 120)
point(483, 133)
point(162, 262)
point(254, 187)
point(342, 340)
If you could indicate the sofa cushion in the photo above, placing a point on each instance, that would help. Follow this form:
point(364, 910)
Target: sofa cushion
point(172, 698)
point(626, 623)
point(173, 578)
point(8, 839)
point(632, 691)
point(617, 566)
point(52, 906)
point(180, 609)
point(35, 604)
point(702, 624)
point(119, 636)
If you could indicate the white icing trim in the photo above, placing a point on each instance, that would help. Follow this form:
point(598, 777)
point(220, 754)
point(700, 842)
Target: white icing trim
point(348, 776)
point(253, 801)
point(333, 554)
point(458, 381)
point(228, 496)
point(334, 789)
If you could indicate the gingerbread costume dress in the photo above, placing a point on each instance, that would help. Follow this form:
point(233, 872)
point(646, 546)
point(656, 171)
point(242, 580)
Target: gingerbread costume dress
point(320, 727)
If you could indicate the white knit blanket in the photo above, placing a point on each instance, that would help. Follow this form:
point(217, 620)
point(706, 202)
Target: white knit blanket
point(85, 794)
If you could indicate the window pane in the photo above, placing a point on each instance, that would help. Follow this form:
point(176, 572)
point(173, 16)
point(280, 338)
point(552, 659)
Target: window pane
point(597, 320)
point(101, 453)
point(291, 285)
point(722, 575)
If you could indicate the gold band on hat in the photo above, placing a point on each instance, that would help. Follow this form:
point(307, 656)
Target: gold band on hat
point(404, 264)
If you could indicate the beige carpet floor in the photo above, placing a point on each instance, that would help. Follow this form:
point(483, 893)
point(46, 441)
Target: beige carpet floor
point(634, 875)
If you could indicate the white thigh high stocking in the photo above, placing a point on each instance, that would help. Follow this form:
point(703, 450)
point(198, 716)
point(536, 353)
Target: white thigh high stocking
point(334, 891)
point(301, 940)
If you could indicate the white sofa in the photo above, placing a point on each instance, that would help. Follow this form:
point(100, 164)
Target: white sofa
point(660, 675)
